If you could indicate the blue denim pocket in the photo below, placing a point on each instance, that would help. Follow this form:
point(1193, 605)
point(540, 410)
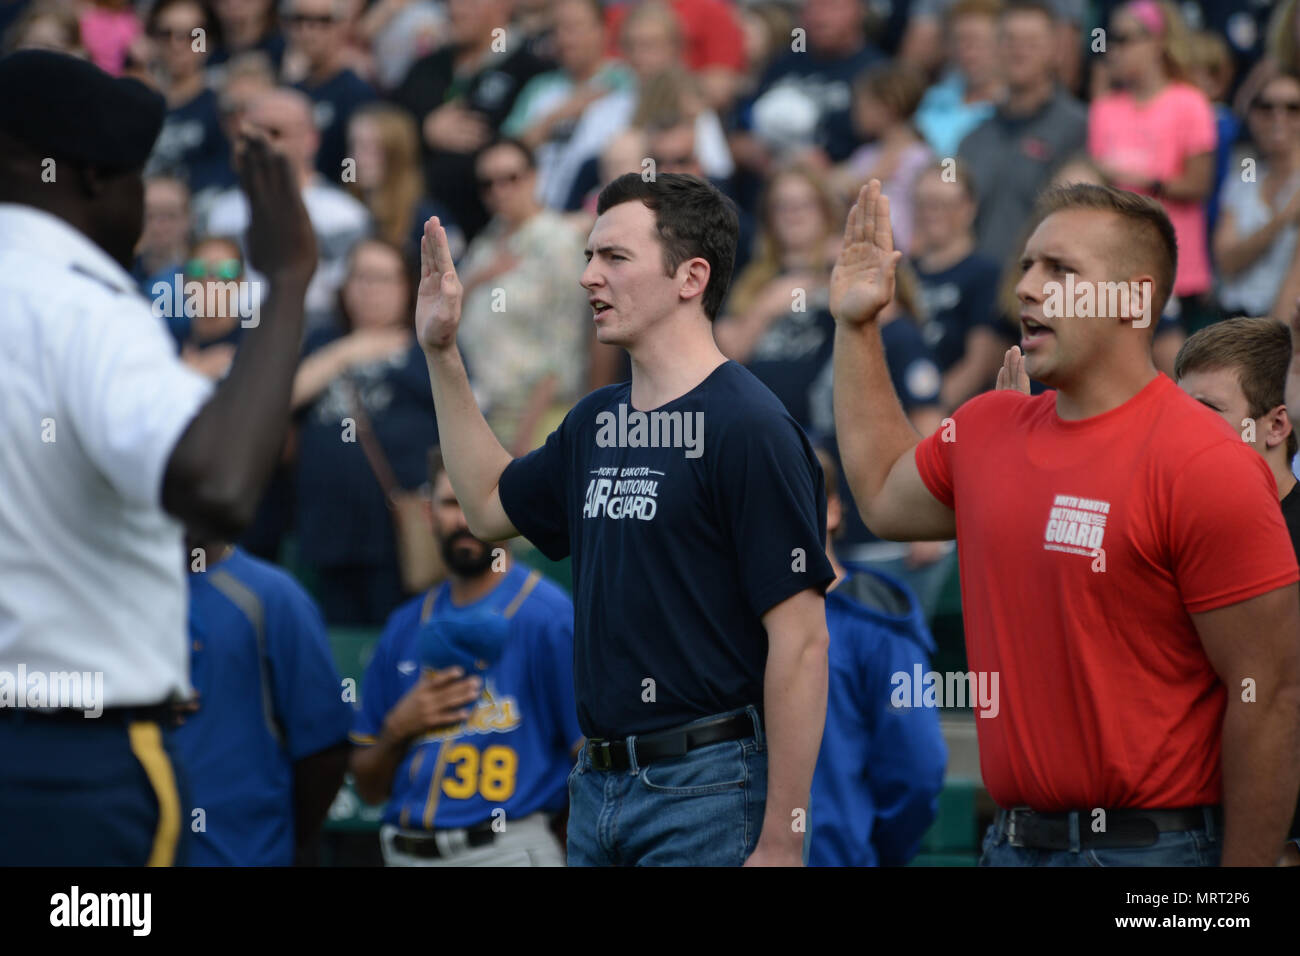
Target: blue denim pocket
point(712, 769)
point(1181, 848)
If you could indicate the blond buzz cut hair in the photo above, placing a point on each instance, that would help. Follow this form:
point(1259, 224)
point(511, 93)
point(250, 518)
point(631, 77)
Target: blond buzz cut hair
point(1150, 244)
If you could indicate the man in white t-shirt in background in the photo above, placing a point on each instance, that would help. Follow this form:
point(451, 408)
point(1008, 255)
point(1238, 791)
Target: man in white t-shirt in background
point(112, 450)
point(284, 117)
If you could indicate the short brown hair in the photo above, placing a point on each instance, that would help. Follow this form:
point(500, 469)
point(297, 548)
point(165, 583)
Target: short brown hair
point(1152, 241)
point(898, 87)
point(1259, 350)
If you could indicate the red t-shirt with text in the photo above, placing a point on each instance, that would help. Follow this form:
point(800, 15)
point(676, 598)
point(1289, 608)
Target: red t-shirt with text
point(1084, 546)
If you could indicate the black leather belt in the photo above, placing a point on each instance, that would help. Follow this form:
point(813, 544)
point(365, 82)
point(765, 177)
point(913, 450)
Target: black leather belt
point(613, 755)
point(158, 713)
point(1123, 828)
point(425, 846)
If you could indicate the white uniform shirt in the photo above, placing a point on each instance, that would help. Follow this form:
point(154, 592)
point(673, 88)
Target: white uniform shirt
point(92, 401)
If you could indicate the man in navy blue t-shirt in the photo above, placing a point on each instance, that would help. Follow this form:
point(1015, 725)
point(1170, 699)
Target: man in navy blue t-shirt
point(693, 509)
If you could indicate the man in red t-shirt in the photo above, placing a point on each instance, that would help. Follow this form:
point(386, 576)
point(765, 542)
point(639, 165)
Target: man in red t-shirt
point(1126, 572)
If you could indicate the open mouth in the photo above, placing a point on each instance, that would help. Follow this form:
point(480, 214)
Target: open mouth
point(600, 307)
point(1032, 332)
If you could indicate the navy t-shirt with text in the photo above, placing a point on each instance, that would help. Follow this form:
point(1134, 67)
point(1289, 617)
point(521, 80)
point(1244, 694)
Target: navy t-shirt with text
point(677, 552)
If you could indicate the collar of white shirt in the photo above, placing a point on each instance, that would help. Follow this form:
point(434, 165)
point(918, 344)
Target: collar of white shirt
point(58, 243)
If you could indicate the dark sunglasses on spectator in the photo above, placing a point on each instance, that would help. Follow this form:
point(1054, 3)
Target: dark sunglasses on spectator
point(304, 19)
point(484, 184)
point(1290, 107)
point(221, 269)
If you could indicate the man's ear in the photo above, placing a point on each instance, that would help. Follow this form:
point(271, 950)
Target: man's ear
point(694, 277)
point(1141, 302)
point(426, 507)
point(93, 183)
point(1277, 427)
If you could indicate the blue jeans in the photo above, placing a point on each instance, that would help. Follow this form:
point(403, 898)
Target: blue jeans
point(1201, 846)
point(701, 809)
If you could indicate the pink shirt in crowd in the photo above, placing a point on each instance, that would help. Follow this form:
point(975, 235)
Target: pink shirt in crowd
point(107, 34)
point(1153, 140)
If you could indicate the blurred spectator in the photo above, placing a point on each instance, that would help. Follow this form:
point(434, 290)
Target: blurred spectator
point(108, 29)
point(399, 33)
point(266, 749)
point(165, 239)
point(958, 284)
point(663, 91)
point(460, 95)
point(191, 144)
point(213, 330)
point(284, 116)
point(1011, 155)
point(551, 105)
point(804, 99)
point(968, 92)
point(1210, 68)
point(672, 144)
point(317, 30)
point(44, 25)
point(382, 138)
point(371, 372)
point(1156, 135)
point(923, 566)
point(777, 321)
point(1255, 241)
point(766, 27)
point(884, 102)
point(921, 45)
point(247, 26)
point(533, 21)
point(713, 45)
point(880, 769)
point(525, 324)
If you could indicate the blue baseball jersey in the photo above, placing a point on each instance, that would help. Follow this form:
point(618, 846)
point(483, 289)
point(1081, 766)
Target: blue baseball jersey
point(876, 786)
point(269, 696)
point(514, 752)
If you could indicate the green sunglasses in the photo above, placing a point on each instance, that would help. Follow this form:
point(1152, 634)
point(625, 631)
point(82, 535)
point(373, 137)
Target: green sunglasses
point(221, 269)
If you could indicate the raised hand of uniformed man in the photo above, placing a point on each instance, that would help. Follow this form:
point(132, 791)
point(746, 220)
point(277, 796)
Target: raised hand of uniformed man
point(281, 242)
point(862, 282)
point(437, 302)
point(437, 699)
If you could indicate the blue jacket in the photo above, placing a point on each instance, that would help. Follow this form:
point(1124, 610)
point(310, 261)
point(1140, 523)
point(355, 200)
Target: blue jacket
point(880, 770)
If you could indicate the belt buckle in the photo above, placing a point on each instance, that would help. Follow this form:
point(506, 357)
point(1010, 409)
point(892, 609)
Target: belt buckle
point(604, 761)
point(1011, 828)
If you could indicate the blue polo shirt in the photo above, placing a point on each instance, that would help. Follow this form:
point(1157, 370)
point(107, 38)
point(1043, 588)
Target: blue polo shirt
point(678, 550)
point(514, 752)
point(269, 695)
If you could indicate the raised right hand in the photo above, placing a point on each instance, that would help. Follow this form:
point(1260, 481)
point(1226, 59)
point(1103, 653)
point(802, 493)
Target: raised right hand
point(862, 283)
point(281, 242)
point(437, 699)
point(437, 302)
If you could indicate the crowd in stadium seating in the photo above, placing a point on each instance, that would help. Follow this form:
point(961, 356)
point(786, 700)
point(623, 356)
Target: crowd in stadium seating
point(505, 118)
